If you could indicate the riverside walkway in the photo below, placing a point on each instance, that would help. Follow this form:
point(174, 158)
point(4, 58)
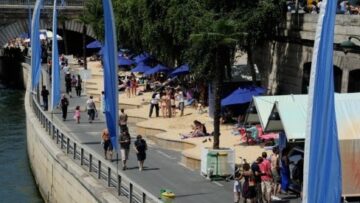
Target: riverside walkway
point(162, 167)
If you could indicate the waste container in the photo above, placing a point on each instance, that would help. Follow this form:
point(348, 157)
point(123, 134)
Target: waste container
point(212, 164)
point(223, 163)
point(167, 196)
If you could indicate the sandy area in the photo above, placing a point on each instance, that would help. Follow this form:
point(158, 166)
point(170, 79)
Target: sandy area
point(176, 125)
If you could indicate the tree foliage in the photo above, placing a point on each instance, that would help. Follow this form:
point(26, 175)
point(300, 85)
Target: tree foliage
point(204, 33)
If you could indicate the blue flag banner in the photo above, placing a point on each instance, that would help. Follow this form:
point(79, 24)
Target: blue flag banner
point(110, 73)
point(35, 46)
point(322, 169)
point(55, 90)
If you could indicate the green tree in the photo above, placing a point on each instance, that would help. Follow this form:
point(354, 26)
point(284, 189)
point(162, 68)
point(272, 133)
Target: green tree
point(94, 15)
point(62, 20)
point(84, 21)
point(212, 53)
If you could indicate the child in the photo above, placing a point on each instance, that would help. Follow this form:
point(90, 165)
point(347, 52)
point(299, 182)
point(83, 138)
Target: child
point(77, 114)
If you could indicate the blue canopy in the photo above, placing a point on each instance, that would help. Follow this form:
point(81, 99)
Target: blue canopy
point(242, 95)
point(158, 68)
point(122, 61)
point(141, 68)
point(141, 57)
point(94, 45)
point(182, 70)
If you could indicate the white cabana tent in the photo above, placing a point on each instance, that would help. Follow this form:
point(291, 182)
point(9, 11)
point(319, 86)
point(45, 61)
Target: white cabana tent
point(292, 115)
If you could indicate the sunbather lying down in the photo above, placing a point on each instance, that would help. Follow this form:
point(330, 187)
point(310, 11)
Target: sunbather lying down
point(199, 130)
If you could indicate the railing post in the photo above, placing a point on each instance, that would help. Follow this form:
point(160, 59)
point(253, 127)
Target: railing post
point(74, 150)
point(57, 136)
point(53, 132)
point(131, 193)
point(82, 156)
point(67, 145)
point(109, 177)
point(90, 162)
point(143, 197)
point(62, 141)
point(119, 184)
point(99, 169)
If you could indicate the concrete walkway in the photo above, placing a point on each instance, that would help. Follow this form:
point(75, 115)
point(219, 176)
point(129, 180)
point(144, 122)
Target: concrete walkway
point(162, 167)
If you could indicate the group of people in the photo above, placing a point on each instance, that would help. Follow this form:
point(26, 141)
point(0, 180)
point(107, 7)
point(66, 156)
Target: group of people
point(169, 101)
point(73, 82)
point(140, 147)
point(131, 85)
point(264, 179)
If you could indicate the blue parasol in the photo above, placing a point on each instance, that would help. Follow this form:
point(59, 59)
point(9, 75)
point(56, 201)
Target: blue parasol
point(182, 70)
point(94, 45)
point(242, 95)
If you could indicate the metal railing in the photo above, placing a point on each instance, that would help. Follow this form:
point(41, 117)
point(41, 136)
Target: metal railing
point(96, 167)
point(45, 2)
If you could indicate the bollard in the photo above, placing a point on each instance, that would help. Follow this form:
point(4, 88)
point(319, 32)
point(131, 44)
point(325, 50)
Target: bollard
point(67, 145)
point(82, 157)
point(99, 169)
point(131, 193)
point(57, 136)
point(90, 162)
point(53, 132)
point(109, 177)
point(74, 150)
point(143, 197)
point(119, 185)
point(62, 141)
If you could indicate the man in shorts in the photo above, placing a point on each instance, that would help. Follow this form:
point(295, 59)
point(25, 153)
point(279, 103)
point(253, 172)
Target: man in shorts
point(108, 148)
point(125, 141)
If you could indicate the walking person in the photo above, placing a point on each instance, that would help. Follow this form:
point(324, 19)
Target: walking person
point(237, 188)
point(64, 103)
point(45, 97)
point(125, 141)
point(181, 99)
point(91, 109)
point(248, 188)
point(123, 117)
point(68, 83)
point(78, 87)
point(77, 114)
point(266, 179)
point(274, 159)
point(140, 149)
point(285, 171)
point(108, 148)
point(257, 174)
point(154, 103)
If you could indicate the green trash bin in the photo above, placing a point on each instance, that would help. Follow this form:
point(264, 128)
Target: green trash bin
point(212, 164)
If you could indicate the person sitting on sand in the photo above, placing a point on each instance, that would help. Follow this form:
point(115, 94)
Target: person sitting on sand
point(199, 130)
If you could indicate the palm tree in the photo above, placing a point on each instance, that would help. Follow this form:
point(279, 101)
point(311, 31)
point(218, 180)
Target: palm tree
point(62, 20)
point(215, 49)
point(84, 21)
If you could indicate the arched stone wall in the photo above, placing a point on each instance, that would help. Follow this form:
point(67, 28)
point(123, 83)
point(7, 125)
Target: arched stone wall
point(281, 66)
point(14, 29)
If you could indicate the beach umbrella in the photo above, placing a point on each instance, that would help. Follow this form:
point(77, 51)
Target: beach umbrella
point(141, 57)
point(157, 69)
point(182, 70)
point(122, 61)
point(94, 45)
point(49, 34)
point(242, 95)
point(141, 68)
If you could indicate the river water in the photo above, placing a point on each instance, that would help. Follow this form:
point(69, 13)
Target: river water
point(16, 182)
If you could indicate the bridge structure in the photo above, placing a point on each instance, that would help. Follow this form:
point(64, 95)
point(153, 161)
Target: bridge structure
point(15, 14)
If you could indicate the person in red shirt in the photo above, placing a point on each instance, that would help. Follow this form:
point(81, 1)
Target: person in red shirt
point(266, 178)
